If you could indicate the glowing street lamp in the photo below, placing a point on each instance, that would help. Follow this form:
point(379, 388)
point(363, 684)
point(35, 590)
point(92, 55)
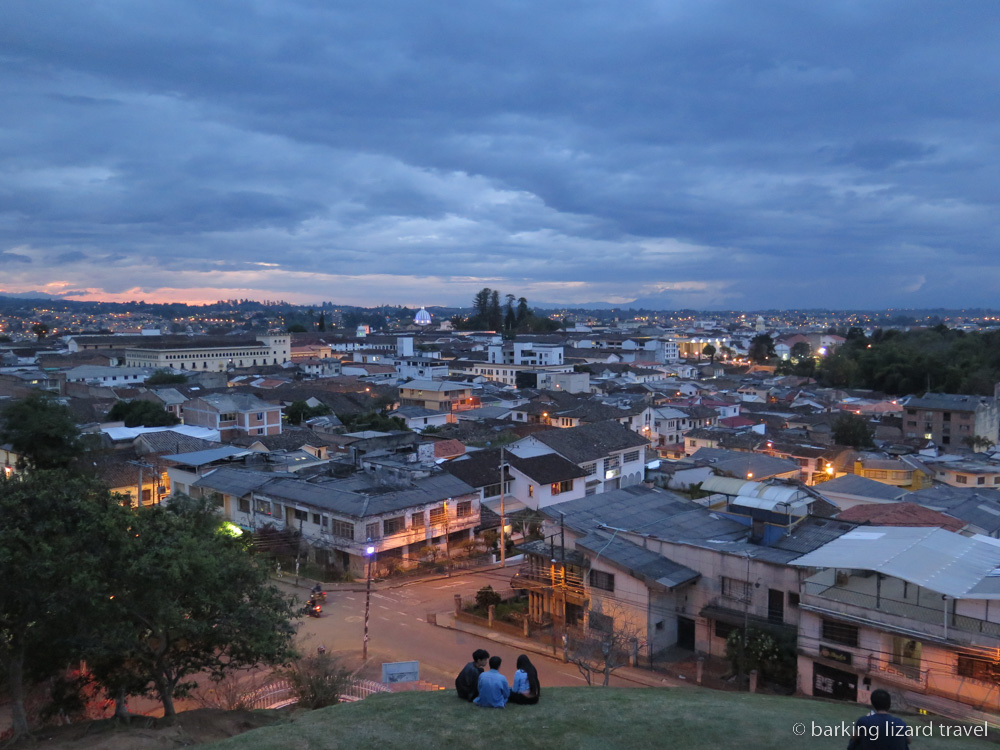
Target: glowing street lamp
point(369, 553)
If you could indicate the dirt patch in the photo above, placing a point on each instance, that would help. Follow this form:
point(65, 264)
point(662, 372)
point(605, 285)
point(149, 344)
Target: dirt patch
point(144, 733)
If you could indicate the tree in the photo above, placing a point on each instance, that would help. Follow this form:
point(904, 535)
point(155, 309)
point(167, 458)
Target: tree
point(978, 443)
point(42, 432)
point(300, 411)
point(800, 350)
point(761, 348)
point(495, 313)
point(141, 414)
point(53, 546)
point(611, 641)
point(296, 328)
point(166, 377)
point(709, 351)
point(321, 325)
point(40, 329)
point(522, 310)
point(211, 609)
point(853, 430)
point(510, 317)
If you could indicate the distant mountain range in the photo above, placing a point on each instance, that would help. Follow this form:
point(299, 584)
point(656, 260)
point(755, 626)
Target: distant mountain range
point(661, 301)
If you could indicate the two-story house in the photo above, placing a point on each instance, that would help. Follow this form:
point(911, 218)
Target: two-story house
point(405, 522)
point(233, 414)
point(915, 611)
point(610, 454)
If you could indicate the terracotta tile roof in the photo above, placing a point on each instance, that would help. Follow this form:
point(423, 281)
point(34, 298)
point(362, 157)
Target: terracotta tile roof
point(899, 514)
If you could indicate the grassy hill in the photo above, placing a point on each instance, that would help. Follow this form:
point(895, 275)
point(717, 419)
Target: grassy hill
point(581, 719)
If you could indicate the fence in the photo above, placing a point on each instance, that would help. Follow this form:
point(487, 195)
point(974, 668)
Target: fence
point(361, 689)
point(278, 693)
point(275, 694)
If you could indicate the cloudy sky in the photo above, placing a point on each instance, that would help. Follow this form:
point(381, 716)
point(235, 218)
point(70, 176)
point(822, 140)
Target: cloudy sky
point(710, 154)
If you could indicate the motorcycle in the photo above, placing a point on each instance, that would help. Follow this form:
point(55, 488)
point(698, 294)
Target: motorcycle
point(313, 609)
point(319, 596)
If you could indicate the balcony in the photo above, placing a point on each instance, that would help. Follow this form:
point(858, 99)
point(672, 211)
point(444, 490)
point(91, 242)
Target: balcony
point(553, 579)
point(894, 605)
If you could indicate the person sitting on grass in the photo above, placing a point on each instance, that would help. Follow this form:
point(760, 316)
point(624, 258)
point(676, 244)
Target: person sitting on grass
point(467, 682)
point(526, 689)
point(494, 690)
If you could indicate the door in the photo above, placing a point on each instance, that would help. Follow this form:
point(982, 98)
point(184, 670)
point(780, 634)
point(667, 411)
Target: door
point(775, 605)
point(834, 683)
point(685, 633)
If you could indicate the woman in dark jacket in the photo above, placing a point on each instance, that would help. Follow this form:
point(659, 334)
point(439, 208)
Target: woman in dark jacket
point(526, 689)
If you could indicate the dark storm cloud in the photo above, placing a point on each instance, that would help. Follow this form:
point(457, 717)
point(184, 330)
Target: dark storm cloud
point(723, 153)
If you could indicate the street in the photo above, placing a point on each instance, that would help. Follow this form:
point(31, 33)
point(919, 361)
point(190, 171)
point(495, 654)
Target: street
point(398, 630)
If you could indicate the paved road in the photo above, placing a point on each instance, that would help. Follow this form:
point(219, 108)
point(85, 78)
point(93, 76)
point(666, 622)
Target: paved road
point(398, 630)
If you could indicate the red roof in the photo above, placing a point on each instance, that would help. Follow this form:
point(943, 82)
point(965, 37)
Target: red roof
point(448, 448)
point(899, 514)
point(737, 422)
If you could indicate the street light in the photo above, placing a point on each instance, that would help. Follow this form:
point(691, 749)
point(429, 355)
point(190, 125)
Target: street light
point(369, 552)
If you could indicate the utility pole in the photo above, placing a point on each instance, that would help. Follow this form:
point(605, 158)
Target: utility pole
point(369, 551)
point(503, 524)
point(142, 465)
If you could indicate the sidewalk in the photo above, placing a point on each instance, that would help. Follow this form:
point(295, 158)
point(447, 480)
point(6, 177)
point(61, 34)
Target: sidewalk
point(640, 677)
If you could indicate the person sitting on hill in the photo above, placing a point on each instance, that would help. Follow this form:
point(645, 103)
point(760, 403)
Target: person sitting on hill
point(526, 689)
point(494, 690)
point(467, 682)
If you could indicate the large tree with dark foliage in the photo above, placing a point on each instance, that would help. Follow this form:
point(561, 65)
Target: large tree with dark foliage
point(41, 431)
point(53, 543)
point(853, 430)
point(188, 598)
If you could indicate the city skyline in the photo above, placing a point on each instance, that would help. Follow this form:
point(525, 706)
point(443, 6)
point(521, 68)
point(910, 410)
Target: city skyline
point(704, 156)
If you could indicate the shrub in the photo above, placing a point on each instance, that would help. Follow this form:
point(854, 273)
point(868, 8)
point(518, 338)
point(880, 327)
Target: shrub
point(318, 681)
point(487, 596)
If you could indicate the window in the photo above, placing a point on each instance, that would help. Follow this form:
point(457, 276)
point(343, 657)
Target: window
point(978, 668)
point(603, 623)
point(316, 518)
point(613, 462)
point(342, 528)
point(464, 509)
point(839, 632)
point(260, 415)
point(493, 490)
point(601, 580)
point(301, 515)
point(325, 522)
point(961, 479)
point(372, 529)
point(736, 589)
point(244, 505)
point(438, 515)
point(559, 487)
point(793, 599)
point(723, 629)
point(263, 506)
point(417, 520)
point(980, 480)
point(591, 469)
point(631, 456)
point(531, 490)
point(394, 525)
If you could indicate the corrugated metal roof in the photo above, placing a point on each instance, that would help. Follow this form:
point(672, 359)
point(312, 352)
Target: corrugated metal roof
point(936, 559)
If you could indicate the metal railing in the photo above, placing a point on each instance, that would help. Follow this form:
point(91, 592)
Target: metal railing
point(361, 689)
point(279, 693)
point(936, 616)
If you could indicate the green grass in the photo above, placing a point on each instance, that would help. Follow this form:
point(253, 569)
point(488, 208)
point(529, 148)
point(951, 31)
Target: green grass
point(577, 719)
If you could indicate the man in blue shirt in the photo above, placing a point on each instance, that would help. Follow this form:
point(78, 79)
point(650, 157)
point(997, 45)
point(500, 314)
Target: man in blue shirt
point(494, 690)
point(880, 730)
